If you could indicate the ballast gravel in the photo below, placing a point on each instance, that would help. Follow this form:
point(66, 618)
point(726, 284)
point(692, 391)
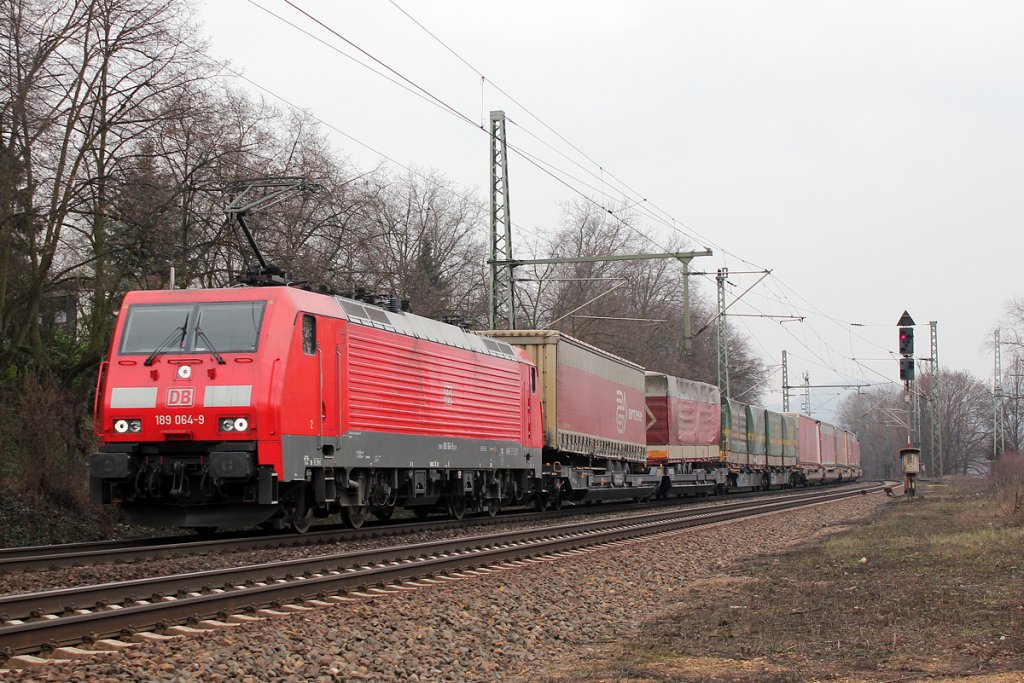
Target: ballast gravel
point(508, 625)
point(146, 567)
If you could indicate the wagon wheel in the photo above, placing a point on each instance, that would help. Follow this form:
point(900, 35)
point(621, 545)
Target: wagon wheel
point(493, 507)
point(556, 502)
point(540, 501)
point(384, 512)
point(355, 515)
point(457, 507)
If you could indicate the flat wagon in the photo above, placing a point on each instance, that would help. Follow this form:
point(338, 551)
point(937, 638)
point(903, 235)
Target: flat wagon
point(595, 441)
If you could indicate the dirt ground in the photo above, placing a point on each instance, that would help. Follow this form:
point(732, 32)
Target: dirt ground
point(931, 589)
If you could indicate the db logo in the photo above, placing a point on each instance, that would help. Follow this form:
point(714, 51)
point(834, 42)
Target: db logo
point(620, 411)
point(180, 398)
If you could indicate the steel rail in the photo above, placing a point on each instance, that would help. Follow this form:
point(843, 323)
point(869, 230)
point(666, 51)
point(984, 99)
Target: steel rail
point(107, 552)
point(67, 600)
point(379, 567)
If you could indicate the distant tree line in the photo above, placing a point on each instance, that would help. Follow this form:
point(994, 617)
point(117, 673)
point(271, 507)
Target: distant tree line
point(965, 410)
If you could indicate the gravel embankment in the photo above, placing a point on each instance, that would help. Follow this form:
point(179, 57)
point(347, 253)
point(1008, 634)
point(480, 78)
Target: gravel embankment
point(513, 625)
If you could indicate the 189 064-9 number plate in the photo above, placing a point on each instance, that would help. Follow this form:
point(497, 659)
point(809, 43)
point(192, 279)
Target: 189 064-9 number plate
point(180, 420)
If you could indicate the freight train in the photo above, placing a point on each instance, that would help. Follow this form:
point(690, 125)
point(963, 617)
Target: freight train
point(274, 405)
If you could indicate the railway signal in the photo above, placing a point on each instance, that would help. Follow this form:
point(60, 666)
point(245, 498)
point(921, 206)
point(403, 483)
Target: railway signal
point(911, 455)
point(906, 346)
point(907, 369)
point(906, 341)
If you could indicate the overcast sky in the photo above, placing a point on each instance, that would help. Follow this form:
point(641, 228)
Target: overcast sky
point(871, 154)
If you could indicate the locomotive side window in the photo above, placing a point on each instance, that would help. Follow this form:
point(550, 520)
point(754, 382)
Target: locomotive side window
point(308, 334)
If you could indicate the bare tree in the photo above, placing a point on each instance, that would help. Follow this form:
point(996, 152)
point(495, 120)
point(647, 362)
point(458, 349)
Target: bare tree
point(89, 79)
point(633, 308)
point(880, 419)
point(1012, 337)
point(428, 243)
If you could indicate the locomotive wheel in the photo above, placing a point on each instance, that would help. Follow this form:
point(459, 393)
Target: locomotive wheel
point(384, 513)
point(355, 515)
point(300, 516)
point(457, 507)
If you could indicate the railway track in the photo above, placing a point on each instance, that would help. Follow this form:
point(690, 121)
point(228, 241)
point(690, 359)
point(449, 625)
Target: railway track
point(43, 622)
point(129, 550)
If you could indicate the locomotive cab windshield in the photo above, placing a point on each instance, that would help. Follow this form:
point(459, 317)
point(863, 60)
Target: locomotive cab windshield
point(214, 328)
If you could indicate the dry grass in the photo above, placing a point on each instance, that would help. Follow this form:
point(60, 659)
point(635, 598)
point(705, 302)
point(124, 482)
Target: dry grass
point(931, 589)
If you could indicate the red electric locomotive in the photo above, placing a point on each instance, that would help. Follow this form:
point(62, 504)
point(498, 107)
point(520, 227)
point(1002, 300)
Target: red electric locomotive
point(269, 405)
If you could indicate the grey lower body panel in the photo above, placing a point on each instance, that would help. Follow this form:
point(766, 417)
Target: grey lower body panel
point(379, 450)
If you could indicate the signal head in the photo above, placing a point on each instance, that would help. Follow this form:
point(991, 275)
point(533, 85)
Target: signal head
point(907, 369)
point(906, 341)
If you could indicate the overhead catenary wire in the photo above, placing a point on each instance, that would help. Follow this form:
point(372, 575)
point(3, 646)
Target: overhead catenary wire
point(668, 220)
point(563, 177)
point(532, 159)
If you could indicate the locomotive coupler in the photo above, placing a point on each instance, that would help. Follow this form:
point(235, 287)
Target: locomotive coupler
point(179, 481)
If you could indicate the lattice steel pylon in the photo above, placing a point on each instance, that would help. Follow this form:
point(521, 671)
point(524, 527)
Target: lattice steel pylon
point(998, 420)
point(503, 290)
point(785, 382)
point(936, 404)
point(723, 338)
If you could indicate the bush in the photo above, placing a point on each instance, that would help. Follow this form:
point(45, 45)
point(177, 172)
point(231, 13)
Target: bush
point(1008, 484)
point(45, 441)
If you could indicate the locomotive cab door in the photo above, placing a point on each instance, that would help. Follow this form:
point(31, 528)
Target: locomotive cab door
point(322, 390)
point(302, 420)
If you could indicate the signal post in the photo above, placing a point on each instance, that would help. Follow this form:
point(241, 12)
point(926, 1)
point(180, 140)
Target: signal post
point(910, 457)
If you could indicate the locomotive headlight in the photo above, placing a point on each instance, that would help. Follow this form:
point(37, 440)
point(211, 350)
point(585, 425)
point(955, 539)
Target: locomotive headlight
point(233, 424)
point(128, 426)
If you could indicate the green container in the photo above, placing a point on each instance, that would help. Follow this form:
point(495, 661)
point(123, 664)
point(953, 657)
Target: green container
point(734, 431)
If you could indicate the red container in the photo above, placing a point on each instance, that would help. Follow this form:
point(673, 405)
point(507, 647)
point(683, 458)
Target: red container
point(808, 442)
point(829, 443)
point(854, 449)
point(684, 424)
point(593, 401)
point(842, 447)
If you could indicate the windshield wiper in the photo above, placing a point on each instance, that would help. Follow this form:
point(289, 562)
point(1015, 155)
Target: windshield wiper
point(176, 336)
point(209, 345)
